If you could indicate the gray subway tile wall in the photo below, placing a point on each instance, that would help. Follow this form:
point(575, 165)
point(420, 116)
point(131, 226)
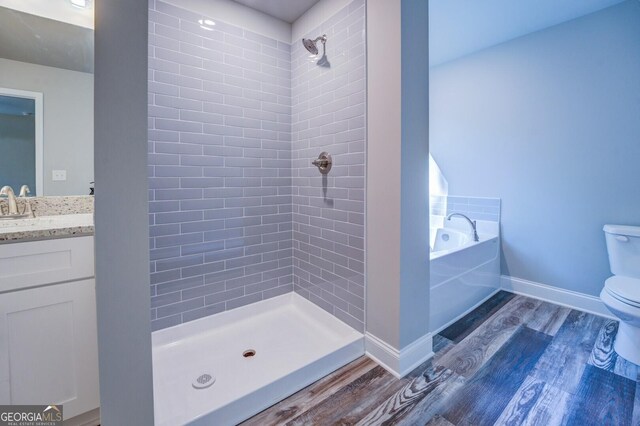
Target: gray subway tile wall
point(237, 212)
point(477, 208)
point(220, 196)
point(328, 106)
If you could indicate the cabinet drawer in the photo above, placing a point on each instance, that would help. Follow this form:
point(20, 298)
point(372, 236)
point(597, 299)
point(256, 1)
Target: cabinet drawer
point(36, 263)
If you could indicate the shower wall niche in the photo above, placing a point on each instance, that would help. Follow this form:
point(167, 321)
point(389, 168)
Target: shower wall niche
point(237, 212)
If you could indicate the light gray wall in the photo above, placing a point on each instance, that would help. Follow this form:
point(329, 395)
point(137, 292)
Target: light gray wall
point(17, 162)
point(549, 123)
point(68, 121)
point(414, 185)
point(122, 232)
point(383, 170)
point(397, 171)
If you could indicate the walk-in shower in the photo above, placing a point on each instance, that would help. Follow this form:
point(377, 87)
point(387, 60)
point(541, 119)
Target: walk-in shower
point(255, 249)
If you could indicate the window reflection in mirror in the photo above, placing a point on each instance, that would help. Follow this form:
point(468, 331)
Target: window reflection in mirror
point(20, 144)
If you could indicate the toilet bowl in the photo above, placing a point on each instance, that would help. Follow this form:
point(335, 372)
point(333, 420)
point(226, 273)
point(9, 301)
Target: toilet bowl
point(621, 292)
point(627, 343)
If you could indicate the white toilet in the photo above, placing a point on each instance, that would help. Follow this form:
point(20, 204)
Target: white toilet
point(621, 293)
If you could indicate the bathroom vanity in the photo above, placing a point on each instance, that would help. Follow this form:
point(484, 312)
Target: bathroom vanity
point(48, 336)
point(48, 328)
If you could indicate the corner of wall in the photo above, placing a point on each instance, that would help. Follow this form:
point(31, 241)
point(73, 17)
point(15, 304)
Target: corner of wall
point(239, 15)
point(313, 17)
point(399, 362)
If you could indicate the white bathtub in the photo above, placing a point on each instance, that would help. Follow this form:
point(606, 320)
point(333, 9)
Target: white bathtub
point(296, 343)
point(464, 273)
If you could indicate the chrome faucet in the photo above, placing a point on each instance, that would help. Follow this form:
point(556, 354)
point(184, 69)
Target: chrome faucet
point(471, 222)
point(24, 192)
point(11, 199)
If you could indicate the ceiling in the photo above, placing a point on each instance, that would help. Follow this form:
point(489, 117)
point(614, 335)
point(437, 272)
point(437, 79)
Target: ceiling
point(460, 27)
point(10, 105)
point(42, 41)
point(59, 10)
point(286, 10)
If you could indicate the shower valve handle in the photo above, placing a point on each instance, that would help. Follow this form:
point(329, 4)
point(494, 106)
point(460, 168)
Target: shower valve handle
point(323, 162)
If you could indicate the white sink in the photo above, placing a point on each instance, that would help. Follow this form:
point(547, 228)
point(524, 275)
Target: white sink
point(45, 223)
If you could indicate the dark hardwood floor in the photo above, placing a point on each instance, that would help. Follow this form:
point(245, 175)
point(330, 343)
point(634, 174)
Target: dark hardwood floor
point(512, 361)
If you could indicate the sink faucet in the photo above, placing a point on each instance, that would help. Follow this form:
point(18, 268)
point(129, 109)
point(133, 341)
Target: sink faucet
point(24, 193)
point(11, 199)
point(471, 222)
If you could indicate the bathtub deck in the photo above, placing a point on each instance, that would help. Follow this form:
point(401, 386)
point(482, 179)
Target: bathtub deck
point(514, 360)
point(296, 343)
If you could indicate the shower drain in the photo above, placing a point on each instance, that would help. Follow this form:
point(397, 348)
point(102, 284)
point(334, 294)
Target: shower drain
point(203, 381)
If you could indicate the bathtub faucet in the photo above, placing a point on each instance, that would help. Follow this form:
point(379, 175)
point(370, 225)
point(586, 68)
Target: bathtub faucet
point(471, 222)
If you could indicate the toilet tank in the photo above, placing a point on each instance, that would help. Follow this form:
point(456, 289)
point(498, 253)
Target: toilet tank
point(623, 245)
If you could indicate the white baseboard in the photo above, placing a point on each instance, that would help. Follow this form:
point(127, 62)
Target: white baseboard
point(568, 298)
point(399, 362)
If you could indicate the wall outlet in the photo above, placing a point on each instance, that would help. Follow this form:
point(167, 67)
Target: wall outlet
point(58, 175)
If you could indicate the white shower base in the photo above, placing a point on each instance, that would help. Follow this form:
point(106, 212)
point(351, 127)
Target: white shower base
point(296, 343)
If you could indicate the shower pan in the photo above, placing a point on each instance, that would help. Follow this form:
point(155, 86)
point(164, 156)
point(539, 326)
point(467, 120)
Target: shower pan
point(292, 344)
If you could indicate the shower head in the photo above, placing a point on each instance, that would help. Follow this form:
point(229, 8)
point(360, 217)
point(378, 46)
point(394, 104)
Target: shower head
point(311, 46)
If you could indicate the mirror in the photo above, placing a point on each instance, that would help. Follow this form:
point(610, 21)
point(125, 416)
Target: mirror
point(21, 139)
point(46, 96)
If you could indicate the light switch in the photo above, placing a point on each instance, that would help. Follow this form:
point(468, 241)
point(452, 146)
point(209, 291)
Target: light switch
point(58, 175)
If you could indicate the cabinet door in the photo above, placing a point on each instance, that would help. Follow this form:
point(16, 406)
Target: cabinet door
point(48, 347)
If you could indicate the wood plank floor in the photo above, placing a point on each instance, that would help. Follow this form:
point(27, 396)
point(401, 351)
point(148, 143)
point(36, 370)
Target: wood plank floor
point(512, 361)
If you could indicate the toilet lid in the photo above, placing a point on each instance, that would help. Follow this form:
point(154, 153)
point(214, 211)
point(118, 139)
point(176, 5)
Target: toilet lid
point(624, 288)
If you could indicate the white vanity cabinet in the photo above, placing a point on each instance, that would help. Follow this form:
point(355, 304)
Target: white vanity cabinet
point(48, 336)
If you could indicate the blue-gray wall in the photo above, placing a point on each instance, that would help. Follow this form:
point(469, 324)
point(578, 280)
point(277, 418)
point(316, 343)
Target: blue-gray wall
point(549, 123)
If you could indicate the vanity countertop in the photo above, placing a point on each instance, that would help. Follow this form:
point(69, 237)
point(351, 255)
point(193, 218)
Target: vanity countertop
point(46, 227)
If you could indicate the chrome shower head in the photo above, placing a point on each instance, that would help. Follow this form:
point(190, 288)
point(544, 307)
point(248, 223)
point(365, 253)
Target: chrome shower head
point(311, 46)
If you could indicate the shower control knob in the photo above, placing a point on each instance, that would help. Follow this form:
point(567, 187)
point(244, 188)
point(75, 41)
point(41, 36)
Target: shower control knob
point(323, 162)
